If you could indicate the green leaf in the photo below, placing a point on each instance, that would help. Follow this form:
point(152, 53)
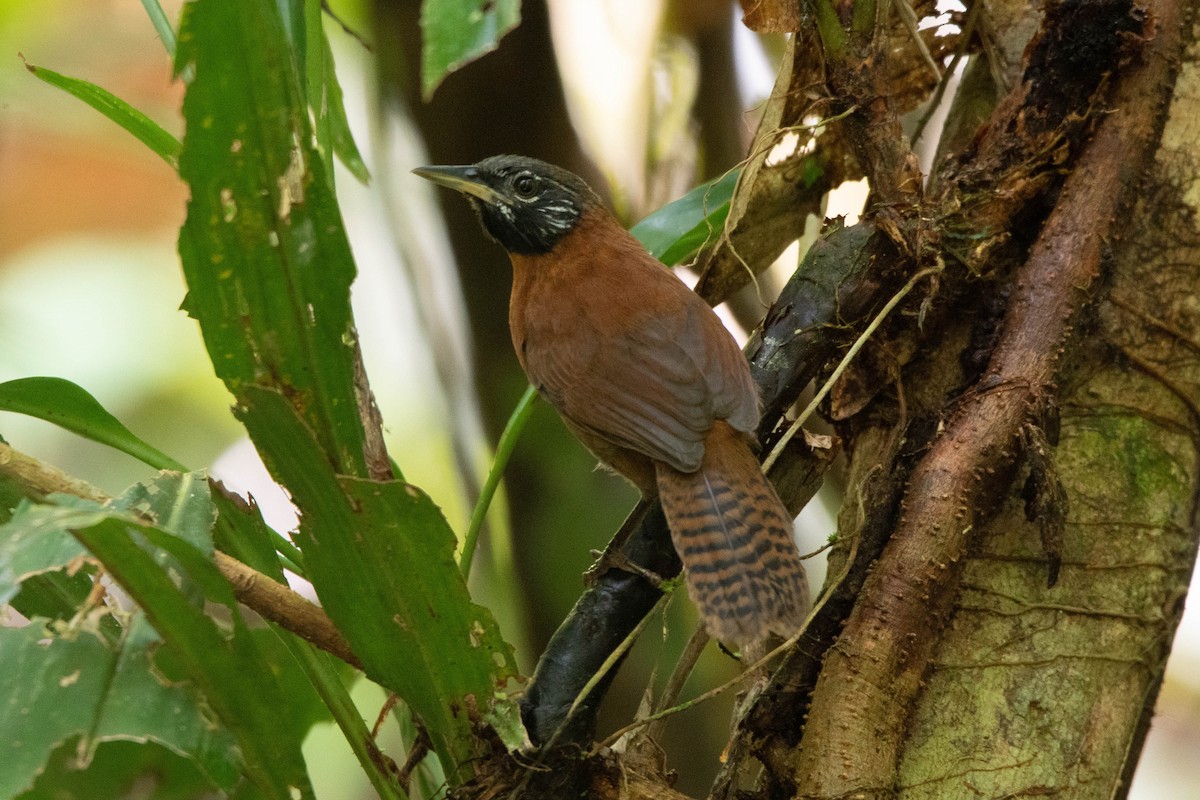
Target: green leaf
point(172, 579)
point(120, 770)
point(333, 106)
point(149, 132)
point(293, 13)
point(175, 501)
point(235, 679)
point(679, 229)
point(29, 550)
point(70, 406)
point(43, 573)
point(504, 448)
point(180, 502)
point(11, 492)
point(265, 255)
point(83, 691)
point(321, 670)
point(456, 32)
point(269, 270)
point(322, 91)
point(381, 557)
point(43, 685)
point(310, 53)
point(138, 705)
point(51, 595)
point(243, 533)
point(304, 708)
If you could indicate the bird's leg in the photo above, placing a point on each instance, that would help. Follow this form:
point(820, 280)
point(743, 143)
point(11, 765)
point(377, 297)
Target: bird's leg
point(614, 557)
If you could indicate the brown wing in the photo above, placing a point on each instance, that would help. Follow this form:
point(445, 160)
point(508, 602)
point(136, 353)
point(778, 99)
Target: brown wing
point(657, 382)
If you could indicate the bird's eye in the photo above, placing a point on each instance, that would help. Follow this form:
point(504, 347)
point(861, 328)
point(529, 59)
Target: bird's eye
point(525, 185)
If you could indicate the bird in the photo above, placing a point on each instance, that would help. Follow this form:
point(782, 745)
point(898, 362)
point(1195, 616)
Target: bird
point(644, 373)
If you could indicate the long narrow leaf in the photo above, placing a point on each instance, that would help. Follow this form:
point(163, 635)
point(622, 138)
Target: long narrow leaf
point(504, 448)
point(149, 132)
point(311, 54)
point(334, 105)
point(322, 672)
point(269, 268)
point(265, 255)
point(70, 406)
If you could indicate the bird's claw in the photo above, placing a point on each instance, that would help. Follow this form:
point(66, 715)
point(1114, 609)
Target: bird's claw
point(616, 559)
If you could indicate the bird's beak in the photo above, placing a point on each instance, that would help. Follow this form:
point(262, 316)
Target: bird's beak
point(467, 180)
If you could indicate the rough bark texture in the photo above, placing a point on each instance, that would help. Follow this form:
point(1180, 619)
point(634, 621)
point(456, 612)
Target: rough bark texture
point(1020, 519)
point(1048, 690)
point(861, 738)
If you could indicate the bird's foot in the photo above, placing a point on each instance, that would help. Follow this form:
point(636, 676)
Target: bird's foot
point(616, 559)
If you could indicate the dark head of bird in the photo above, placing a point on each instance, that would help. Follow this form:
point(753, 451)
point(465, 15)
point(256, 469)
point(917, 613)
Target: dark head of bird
point(526, 205)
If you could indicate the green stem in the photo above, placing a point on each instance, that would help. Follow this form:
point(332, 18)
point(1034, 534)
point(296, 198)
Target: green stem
point(865, 18)
point(320, 671)
point(829, 28)
point(508, 440)
point(289, 554)
point(161, 24)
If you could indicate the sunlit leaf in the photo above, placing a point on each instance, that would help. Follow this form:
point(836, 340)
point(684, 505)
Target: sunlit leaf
point(679, 229)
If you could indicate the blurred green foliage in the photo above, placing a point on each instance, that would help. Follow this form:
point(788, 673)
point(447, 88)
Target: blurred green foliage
point(223, 703)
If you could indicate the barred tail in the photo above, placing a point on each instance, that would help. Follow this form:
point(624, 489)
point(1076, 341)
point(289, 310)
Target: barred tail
point(735, 540)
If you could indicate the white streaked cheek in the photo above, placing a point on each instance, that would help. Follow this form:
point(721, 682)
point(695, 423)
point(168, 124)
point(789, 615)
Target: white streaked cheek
point(561, 222)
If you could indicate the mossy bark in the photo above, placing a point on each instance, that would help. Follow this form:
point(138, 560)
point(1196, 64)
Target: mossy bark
point(1049, 689)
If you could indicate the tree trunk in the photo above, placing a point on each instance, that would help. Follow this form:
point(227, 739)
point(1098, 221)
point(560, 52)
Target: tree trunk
point(1012, 636)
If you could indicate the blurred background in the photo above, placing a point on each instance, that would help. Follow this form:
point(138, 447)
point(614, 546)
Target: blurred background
point(644, 98)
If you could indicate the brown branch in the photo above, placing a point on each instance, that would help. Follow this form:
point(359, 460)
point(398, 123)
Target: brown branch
point(271, 600)
point(379, 465)
point(882, 449)
point(38, 479)
point(287, 609)
point(873, 674)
